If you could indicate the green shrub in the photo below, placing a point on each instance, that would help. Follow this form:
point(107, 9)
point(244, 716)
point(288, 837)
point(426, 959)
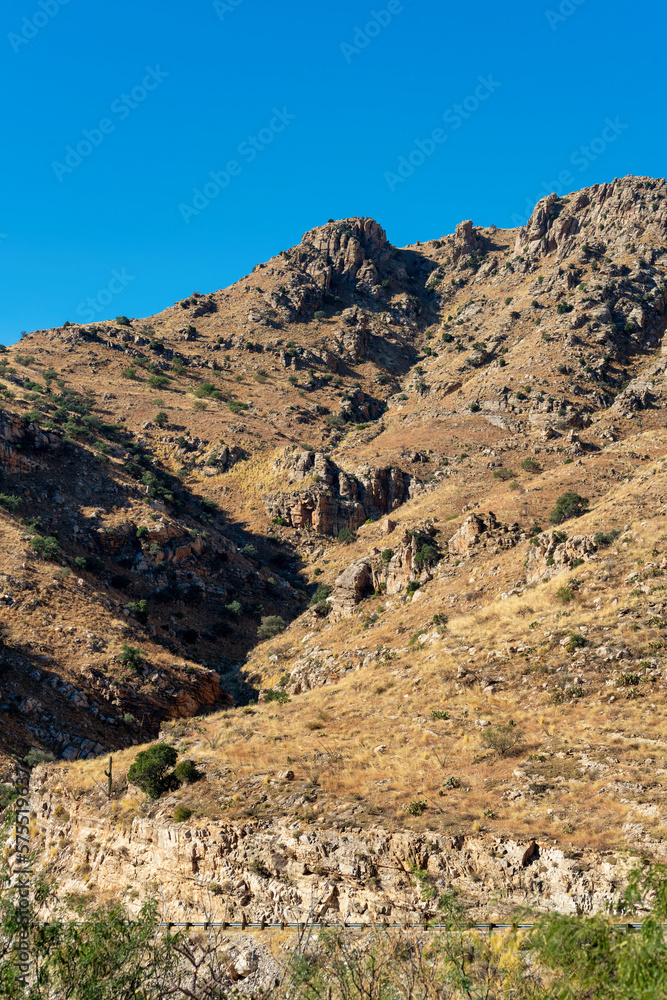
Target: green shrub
point(235, 608)
point(281, 697)
point(123, 321)
point(530, 465)
point(412, 587)
point(565, 594)
point(503, 474)
point(417, 807)
point(602, 538)
point(131, 656)
point(237, 407)
point(46, 547)
point(279, 520)
point(475, 407)
point(9, 501)
point(150, 770)
point(387, 555)
point(320, 314)
point(564, 307)
point(129, 372)
point(35, 757)
point(158, 381)
point(568, 505)
point(181, 813)
point(437, 715)
point(138, 610)
point(502, 738)
point(186, 772)
point(346, 535)
point(8, 794)
point(249, 551)
point(426, 554)
point(271, 626)
point(161, 418)
point(142, 531)
point(321, 593)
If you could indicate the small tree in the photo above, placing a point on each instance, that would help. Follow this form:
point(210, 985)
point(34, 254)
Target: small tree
point(346, 535)
point(271, 625)
point(131, 656)
point(568, 505)
point(150, 769)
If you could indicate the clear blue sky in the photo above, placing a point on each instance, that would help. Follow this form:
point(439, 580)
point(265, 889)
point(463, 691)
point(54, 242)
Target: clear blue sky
point(349, 107)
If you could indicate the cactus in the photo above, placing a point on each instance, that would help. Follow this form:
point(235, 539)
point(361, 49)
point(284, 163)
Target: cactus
point(108, 774)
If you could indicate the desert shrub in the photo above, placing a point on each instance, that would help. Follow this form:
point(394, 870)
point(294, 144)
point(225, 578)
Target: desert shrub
point(416, 808)
point(346, 535)
point(439, 619)
point(35, 757)
point(161, 418)
point(150, 770)
point(249, 551)
point(576, 640)
point(271, 626)
point(158, 381)
point(129, 372)
point(387, 555)
point(475, 407)
point(122, 321)
point(568, 505)
point(131, 656)
point(502, 738)
point(9, 501)
point(281, 697)
point(46, 546)
point(186, 772)
point(237, 407)
point(207, 390)
point(564, 307)
point(7, 795)
point(321, 593)
point(138, 610)
point(628, 680)
point(181, 814)
point(426, 554)
point(565, 594)
point(437, 715)
point(142, 531)
point(503, 474)
point(279, 520)
point(530, 465)
point(235, 608)
point(602, 538)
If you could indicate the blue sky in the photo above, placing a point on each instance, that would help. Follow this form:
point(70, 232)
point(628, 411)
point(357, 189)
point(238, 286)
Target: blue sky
point(304, 111)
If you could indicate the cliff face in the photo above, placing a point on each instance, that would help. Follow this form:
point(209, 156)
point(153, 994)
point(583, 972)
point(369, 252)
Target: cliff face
point(273, 871)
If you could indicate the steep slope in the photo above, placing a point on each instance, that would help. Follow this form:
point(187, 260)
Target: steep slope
point(386, 433)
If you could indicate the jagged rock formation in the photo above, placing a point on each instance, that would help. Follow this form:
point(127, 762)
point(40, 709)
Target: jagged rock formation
point(487, 532)
point(335, 499)
point(551, 553)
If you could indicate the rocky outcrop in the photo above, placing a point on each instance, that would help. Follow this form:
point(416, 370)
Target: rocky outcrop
point(271, 871)
point(350, 587)
point(483, 532)
point(334, 499)
point(551, 553)
point(19, 438)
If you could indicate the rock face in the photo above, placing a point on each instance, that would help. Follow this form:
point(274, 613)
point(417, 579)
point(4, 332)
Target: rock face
point(19, 438)
point(550, 555)
point(266, 871)
point(336, 499)
point(350, 587)
point(479, 531)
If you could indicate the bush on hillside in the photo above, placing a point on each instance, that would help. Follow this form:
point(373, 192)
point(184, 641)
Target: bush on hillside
point(271, 626)
point(569, 505)
point(150, 770)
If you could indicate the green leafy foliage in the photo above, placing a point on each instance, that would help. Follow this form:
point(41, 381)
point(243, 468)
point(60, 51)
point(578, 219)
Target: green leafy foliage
point(569, 505)
point(131, 656)
point(502, 738)
point(151, 769)
point(271, 626)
